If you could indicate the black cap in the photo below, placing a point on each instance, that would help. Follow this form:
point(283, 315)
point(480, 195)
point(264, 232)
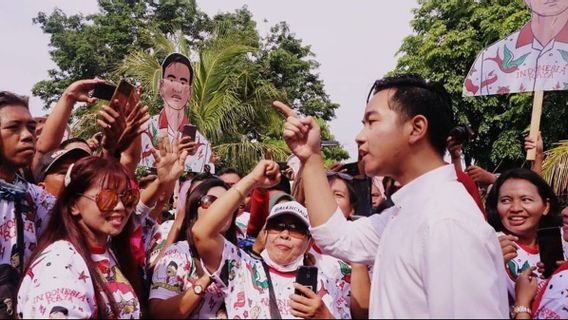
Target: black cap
point(51, 158)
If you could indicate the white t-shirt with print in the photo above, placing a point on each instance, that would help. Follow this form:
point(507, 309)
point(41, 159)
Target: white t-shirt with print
point(58, 282)
point(158, 240)
point(527, 257)
point(246, 290)
point(242, 221)
point(554, 301)
point(175, 273)
point(35, 222)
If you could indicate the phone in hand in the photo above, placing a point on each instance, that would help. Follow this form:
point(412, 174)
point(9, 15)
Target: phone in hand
point(351, 168)
point(103, 91)
point(550, 248)
point(308, 277)
point(122, 94)
point(189, 130)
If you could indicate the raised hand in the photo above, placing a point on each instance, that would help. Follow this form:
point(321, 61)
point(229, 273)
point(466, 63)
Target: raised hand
point(455, 149)
point(538, 144)
point(303, 136)
point(170, 160)
point(266, 174)
point(78, 91)
point(479, 174)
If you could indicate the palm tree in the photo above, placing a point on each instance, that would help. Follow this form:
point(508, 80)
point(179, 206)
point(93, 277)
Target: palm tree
point(555, 166)
point(231, 109)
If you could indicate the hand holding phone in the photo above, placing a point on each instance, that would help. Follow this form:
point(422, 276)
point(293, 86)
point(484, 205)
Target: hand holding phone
point(121, 96)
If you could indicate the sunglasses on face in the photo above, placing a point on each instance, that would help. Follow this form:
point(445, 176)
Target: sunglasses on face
point(206, 201)
point(341, 175)
point(295, 230)
point(107, 199)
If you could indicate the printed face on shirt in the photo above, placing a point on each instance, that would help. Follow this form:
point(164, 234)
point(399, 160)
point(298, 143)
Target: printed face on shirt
point(341, 195)
point(521, 207)
point(384, 138)
point(547, 8)
point(217, 192)
point(17, 136)
point(284, 248)
point(174, 86)
point(100, 225)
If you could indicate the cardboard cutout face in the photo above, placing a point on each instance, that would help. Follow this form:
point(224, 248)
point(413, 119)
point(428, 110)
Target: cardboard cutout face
point(531, 59)
point(175, 88)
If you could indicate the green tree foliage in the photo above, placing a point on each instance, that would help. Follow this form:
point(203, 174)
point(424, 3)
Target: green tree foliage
point(237, 74)
point(448, 35)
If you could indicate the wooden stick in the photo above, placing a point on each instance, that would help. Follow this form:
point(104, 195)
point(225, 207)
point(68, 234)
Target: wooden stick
point(535, 121)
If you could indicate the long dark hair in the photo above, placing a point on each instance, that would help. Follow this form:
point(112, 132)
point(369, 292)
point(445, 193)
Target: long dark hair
point(63, 225)
point(191, 206)
point(552, 219)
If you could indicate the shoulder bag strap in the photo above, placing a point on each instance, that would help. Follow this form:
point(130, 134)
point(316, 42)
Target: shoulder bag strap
point(274, 312)
point(20, 235)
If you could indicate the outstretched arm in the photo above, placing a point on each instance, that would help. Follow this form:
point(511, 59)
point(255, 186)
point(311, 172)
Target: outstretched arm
point(303, 138)
point(54, 127)
point(206, 230)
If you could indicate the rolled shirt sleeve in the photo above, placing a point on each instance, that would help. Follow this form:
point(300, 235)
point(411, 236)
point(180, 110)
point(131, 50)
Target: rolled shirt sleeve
point(354, 241)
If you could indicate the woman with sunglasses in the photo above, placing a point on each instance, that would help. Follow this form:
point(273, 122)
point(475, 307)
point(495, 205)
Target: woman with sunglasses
point(519, 204)
point(83, 265)
point(180, 288)
point(265, 288)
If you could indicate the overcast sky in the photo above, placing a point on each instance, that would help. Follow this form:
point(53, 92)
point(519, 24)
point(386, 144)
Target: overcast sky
point(354, 41)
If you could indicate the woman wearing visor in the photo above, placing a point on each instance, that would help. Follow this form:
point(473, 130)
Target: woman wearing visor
point(266, 288)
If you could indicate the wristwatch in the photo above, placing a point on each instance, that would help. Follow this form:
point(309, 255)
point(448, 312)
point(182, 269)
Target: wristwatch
point(198, 290)
point(520, 309)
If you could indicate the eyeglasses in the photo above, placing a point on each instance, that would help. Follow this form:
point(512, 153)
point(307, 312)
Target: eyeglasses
point(206, 201)
point(341, 175)
point(296, 231)
point(107, 199)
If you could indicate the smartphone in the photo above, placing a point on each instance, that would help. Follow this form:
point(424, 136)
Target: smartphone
point(103, 91)
point(351, 168)
point(283, 165)
point(308, 277)
point(122, 94)
point(189, 130)
point(550, 248)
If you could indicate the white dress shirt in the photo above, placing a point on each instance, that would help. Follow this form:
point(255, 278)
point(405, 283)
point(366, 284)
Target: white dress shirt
point(434, 256)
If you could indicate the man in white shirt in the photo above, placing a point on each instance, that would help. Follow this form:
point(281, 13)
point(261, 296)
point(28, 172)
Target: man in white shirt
point(434, 256)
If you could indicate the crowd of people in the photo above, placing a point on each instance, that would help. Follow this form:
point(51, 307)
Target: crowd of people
point(84, 237)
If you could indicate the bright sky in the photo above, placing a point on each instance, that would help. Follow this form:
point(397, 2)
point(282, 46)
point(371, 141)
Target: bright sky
point(355, 43)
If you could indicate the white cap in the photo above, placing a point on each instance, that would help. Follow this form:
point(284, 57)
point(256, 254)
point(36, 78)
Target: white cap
point(290, 207)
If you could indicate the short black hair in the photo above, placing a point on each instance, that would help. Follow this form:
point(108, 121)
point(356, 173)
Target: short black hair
point(177, 58)
point(8, 98)
point(552, 219)
point(230, 170)
point(353, 198)
point(72, 140)
point(415, 96)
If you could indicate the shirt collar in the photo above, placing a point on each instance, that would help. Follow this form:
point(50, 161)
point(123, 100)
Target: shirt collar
point(526, 35)
point(426, 181)
point(163, 120)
